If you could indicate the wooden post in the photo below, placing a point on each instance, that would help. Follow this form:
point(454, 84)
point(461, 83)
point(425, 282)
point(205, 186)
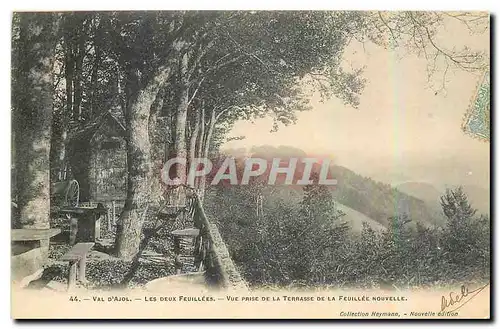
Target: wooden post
point(81, 269)
point(177, 251)
point(72, 276)
point(73, 230)
point(114, 212)
point(97, 228)
point(202, 258)
point(108, 216)
point(44, 247)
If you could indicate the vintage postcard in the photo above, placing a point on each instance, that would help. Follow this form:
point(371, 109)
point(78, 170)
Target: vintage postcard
point(250, 164)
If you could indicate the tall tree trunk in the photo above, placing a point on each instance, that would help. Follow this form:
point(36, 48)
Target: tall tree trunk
point(201, 139)
point(156, 149)
point(95, 70)
point(153, 115)
point(139, 166)
point(61, 149)
point(69, 59)
point(194, 136)
point(120, 94)
point(210, 131)
point(206, 148)
point(179, 149)
point(69, 66)
point(80, 54)
point(33, 117)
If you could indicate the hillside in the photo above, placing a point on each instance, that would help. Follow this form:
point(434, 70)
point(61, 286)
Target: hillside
point(354, 218)
point(479, 197)
point(377, 200)
point(423, 191)
point(427, 193)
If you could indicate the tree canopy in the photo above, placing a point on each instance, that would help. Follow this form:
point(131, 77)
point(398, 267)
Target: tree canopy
point(202, 71)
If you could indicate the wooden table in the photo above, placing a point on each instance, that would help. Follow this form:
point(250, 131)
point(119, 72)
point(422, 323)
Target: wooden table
point(32, 234)
point(85, 223)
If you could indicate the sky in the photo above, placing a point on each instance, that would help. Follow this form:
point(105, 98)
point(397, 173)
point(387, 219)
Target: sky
point(402, 130)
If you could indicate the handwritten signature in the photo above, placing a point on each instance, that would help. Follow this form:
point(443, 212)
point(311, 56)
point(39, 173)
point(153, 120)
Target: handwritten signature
point(458, 298)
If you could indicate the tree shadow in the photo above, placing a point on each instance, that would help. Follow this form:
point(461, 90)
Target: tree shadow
point(48, 275)
point(162, 221)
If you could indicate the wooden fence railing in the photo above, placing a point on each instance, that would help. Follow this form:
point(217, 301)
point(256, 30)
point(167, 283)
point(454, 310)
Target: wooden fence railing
point(211, 253)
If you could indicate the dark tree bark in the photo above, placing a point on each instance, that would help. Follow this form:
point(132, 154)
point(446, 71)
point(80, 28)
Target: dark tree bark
point(206, 148)
point(33, 117)
point(153, 115)
point(95, 69)
point(69, 67)
point(194, 136)
point(180, 145)
point(210, 131)
point(139, 164)
point(201, 138)
point(156, 149)
point(78, 76)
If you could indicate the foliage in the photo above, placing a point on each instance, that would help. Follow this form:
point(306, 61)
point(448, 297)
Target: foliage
point(307, 244)
point(377, 200)
point(219, 66)
point(465, 236)
point(419, 33)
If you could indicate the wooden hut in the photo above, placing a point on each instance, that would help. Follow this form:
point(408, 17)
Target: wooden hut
point(98, 158)
point(108, 161)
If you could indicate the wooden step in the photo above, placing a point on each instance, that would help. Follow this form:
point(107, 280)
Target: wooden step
point(188, 232)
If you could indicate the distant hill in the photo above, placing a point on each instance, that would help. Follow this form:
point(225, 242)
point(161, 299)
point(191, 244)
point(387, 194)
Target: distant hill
point(424, 191)
point(375, 200)
point(379, 201)
point(479, 197)
point(355, 219)
point(427, 193)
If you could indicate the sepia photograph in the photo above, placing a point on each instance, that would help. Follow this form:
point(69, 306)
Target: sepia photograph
point(250, 164)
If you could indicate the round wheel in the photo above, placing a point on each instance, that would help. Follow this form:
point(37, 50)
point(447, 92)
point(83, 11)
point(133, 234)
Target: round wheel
point(73, 194)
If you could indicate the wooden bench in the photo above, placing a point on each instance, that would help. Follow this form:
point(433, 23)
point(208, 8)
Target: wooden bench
point(77, 256)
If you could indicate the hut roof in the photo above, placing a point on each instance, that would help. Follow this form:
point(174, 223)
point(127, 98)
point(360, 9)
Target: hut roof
point(112, 120)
